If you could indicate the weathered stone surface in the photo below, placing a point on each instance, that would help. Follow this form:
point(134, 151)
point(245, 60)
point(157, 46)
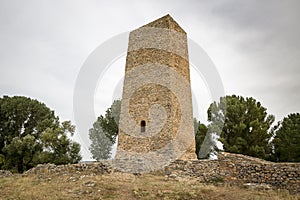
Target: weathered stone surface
point(260, 186)
point(203, 170)
point(232, 169)
point(246, 169)
point(239, 170)
point(156, 93)
point(5, 173)
point(103, 167)
point(165, 22)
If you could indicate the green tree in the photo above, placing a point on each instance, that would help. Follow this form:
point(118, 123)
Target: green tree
point(105, 131)
point(209, 147)
point(20, 116)
point(23, 124)
point(57, 147)
point(101, 145)
point(20, 153)
point(286, 142)
point(242, 124)
point(200, 133)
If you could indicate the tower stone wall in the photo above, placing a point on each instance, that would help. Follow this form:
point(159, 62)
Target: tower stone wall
point(156, 111)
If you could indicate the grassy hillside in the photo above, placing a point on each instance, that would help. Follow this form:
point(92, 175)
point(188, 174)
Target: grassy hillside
point(124, 186)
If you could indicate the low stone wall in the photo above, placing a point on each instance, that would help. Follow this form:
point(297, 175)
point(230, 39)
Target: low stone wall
point(239, 169)
point(84, 168)
point(5, 173)
point(233, 169)
point(236, 169)
point(204, 170)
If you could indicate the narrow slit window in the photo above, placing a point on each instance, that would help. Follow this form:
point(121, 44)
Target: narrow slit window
point(143, 126)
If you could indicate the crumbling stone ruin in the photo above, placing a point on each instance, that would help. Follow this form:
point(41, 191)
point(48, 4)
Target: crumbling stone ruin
point(229, 169)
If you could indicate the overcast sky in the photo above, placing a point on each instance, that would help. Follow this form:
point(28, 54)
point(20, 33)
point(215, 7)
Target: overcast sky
point(254, 45)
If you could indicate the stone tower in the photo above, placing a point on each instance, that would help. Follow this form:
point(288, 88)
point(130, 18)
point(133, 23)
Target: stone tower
point(156, 121)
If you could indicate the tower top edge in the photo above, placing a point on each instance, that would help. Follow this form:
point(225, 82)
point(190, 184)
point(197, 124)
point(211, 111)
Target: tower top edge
point(166, 22)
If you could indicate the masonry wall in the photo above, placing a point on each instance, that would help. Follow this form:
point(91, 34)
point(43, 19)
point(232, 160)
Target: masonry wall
point(232, 169)
point(238, 169)
point(156, 52)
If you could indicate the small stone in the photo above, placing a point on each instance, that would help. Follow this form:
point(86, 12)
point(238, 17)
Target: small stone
point(172, 176)
point(90, 184)
point(257, 186)
point(86, 192)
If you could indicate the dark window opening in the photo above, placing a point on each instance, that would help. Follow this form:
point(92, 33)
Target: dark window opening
point(143, 126)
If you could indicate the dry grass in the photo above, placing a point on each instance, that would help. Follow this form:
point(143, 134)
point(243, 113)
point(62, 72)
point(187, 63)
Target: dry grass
point(124, 186)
